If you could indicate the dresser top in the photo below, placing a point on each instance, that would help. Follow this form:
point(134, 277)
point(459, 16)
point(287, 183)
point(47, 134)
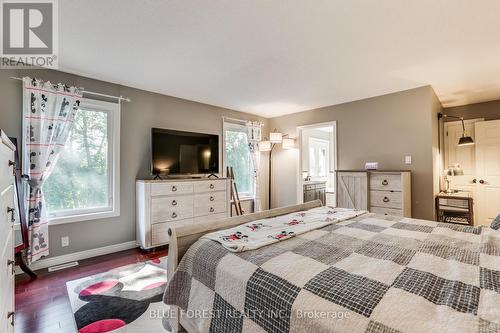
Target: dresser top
point(170, 180)
point(314, 182)
point(383, 171)
point(458, 195)
point(6, 141)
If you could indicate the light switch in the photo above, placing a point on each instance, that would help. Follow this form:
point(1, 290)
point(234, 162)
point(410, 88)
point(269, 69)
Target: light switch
point(408, 159)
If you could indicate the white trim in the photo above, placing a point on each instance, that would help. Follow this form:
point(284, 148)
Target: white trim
point(82, 217)
point(234, 125)
point(300, 187)
point(59, 260)
point(113, 210)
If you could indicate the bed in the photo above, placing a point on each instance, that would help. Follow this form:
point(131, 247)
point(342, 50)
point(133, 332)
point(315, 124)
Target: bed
point(369, 273)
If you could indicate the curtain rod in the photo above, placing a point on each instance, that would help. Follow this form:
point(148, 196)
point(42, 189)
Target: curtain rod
point(119, 98)
point(241, 121)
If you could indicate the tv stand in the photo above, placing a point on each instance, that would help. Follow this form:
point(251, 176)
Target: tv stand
point(212, 175)
point(157, 177)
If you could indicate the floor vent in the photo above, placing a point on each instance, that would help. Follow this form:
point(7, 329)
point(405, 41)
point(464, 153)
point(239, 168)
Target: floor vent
point(63, 266)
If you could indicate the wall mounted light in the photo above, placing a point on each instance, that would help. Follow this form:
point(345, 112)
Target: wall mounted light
point(465, 140)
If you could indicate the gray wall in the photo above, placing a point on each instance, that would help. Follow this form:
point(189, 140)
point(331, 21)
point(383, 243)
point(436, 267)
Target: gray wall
point(486, 110)
point(146, 110)
point(383, 129)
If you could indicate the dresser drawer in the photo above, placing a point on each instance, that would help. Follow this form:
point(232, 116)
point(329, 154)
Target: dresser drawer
point(6, 278)
point(6, 203)
point(170, 188)
point(7, 176)
point(171, 208)
point(213, 217)
point(387, 211)
point(309, 187)
point(209, 199)
point(213, 208)
point(209, 186)
point(159, 231)
point(386, 199)
point(388, 182)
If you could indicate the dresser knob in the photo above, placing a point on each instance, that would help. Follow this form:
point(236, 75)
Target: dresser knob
point(385, 182)
point(482, 181)
point(211, 209)
point(174, 203)
point(174, 215)
point(174, 188)
point(386, 199)
point(11, 315)
point(212, 199)
point(11, 263)
point(212, 186)
point(11, 211)
point(11, 163)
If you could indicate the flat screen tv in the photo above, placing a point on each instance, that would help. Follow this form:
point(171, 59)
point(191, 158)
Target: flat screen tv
point(183, 153)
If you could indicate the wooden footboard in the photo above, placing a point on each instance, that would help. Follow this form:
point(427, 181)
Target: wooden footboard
point(183, 237)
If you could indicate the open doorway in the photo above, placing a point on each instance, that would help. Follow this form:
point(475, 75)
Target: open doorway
point(317, 162)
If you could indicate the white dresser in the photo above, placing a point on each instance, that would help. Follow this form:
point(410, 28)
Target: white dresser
point(381, 192)
point(162, 204)
point(7, 214)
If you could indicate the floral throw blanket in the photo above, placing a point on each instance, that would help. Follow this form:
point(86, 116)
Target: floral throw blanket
point(264, 232)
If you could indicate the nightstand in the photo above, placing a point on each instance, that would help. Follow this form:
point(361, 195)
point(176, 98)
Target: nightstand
point(455, 207)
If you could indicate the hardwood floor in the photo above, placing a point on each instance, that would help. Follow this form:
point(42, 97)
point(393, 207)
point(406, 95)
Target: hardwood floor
point(42, 305)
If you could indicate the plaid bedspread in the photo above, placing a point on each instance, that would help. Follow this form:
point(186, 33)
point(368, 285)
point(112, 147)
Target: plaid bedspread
point(371, 273)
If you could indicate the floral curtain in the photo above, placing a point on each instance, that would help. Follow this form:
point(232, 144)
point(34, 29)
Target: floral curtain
point(48, 114)
point(254, 135)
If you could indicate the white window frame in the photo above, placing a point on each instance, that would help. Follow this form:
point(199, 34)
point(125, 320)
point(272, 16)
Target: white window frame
point(237, 127)
point(113, 209)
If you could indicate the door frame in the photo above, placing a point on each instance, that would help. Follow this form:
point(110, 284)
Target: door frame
point(334, 157)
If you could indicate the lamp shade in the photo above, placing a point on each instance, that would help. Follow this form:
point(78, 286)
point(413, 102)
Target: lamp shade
point(288, 143)
point(465, 141)
point(458, 171)
point(265, 146)
point(276, 137)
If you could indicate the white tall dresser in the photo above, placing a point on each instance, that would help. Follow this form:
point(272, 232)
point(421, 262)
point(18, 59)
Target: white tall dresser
point(161, 204)
point(7, 214)
point(381, 192)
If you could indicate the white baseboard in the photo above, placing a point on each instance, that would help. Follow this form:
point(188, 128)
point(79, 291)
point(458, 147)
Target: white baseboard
point(53, 261)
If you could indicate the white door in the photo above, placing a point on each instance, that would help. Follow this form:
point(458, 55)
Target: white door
point(465, 156)
point(488, 171)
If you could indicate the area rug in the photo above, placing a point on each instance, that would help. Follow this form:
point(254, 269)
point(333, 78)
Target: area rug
point(125, 299)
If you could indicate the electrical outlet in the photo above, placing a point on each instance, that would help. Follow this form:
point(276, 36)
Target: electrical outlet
point(408, 159)
point(64, 241)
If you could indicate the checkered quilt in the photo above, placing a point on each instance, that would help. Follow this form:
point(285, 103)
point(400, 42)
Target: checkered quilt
point(371, 273)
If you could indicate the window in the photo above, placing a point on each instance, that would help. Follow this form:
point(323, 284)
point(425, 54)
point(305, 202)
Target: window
point(318, 158)
point(84, 184)
point(237, 155)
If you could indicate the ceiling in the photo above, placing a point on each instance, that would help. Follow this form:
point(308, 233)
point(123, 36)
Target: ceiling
point(274, 57)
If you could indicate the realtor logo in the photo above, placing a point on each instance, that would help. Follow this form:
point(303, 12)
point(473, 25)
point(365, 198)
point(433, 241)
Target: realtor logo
point(29, 33)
